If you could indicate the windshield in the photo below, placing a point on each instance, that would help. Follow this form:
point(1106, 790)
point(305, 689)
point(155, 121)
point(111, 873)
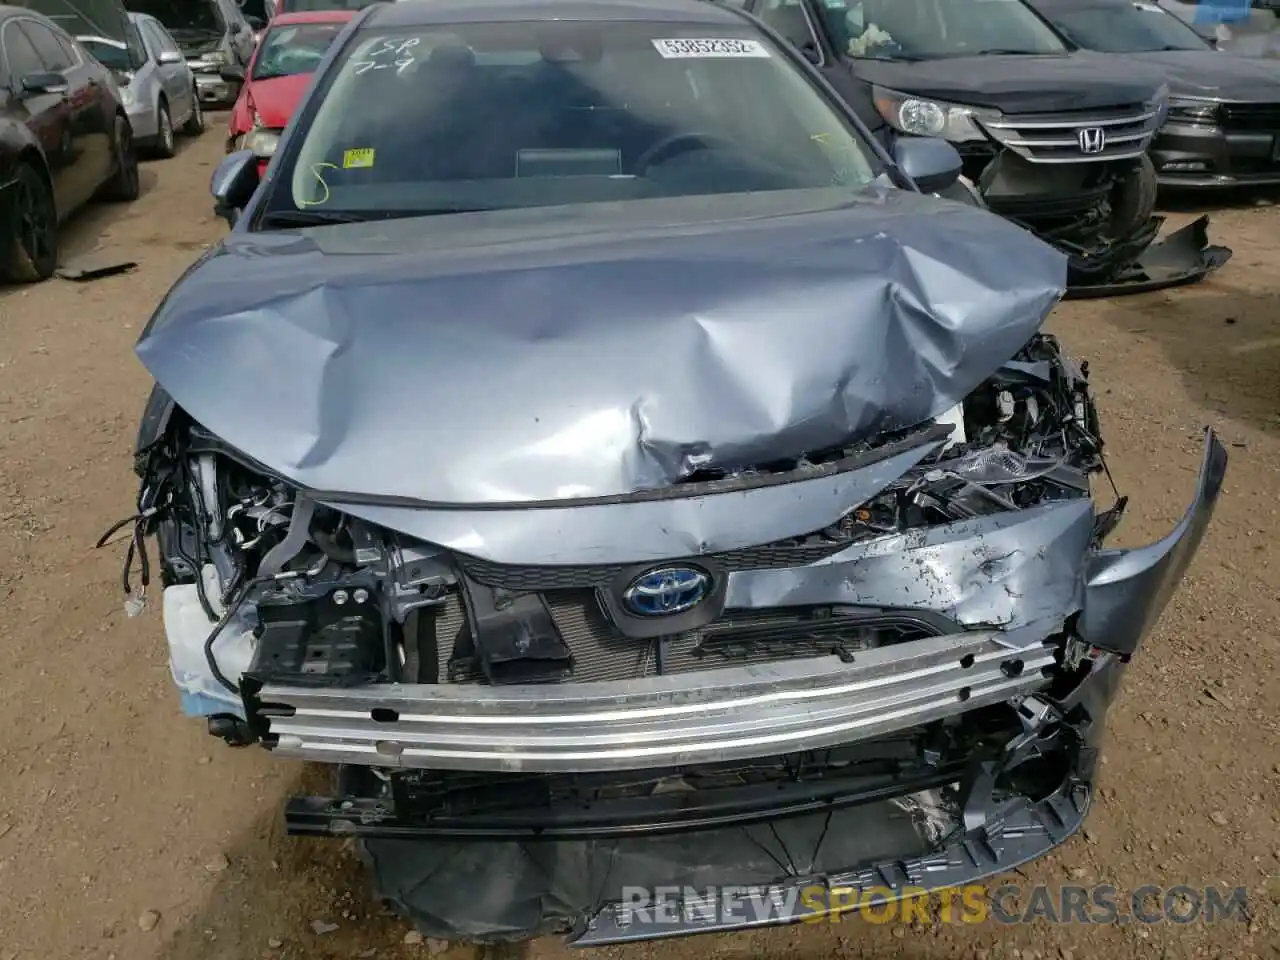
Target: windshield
point(111, 55)
point(937, 29)
point(1126, 28)
point(181, 16)
point(504, 116)
point(292, 49)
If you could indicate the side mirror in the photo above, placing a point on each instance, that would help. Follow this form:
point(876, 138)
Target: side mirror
point(36, 83)
point(170, 56)
point(231, 73)
point(256, 23)
point(233, 184)
point(933, 164)
point(809, 51)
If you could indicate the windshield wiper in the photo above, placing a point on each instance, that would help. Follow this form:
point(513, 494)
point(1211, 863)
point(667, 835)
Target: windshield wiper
point(320, 218)
point(1002, 52)
point(310, 218)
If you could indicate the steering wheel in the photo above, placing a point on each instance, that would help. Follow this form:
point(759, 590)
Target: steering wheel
point(679, 143)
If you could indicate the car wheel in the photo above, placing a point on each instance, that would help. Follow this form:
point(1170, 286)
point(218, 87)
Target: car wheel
point(164, 147)
point(123, 187)
point(1133, 201)
point(195, 123)
point(30, 232)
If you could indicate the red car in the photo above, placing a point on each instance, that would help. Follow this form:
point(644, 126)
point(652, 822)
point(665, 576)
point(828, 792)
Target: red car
point(278, 75)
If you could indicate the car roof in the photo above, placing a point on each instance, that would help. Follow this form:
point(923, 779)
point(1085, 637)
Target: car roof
point(426, 13)
point(312, 16)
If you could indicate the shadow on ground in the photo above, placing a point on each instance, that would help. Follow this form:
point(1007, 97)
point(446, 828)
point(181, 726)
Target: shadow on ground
point(1224, 342)
point(275, 886)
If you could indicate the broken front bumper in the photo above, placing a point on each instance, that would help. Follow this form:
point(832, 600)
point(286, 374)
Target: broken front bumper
point(772, 852)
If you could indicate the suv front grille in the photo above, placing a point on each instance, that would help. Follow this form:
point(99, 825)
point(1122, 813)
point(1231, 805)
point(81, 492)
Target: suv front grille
point(1077, 136)
point(1250, 117)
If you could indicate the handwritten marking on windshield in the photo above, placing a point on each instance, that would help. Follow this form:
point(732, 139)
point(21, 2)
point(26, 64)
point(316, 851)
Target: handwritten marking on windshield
point(389, 53)
point(315, 172)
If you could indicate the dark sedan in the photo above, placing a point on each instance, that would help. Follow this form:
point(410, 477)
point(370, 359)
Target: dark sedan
point(64, 139)
point(1224, 111)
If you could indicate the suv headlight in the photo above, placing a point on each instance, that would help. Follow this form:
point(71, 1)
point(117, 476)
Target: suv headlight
point(922, 117)
point(216, 57)
point(1193, 110)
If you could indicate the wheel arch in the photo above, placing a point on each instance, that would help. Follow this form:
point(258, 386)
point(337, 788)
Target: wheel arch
point(30, 154)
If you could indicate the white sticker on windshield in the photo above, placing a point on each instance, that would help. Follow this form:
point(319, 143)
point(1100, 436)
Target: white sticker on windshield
point(684, 49)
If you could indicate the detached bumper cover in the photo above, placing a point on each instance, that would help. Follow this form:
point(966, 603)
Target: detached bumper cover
point(1182, 257)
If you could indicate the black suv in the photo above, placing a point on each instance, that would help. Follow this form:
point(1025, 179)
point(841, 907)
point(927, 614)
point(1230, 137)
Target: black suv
point(1053, 137)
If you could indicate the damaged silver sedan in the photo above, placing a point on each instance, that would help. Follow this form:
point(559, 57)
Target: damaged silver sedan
point(600, 453)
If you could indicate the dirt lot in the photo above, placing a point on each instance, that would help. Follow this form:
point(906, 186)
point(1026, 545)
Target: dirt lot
point(112, 806)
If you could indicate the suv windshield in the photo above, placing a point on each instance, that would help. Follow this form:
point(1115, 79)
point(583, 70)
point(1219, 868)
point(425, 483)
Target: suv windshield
point(1125, 28)
point(937, 29)
point(503, 116)
point(294, 48)
point(180, 17)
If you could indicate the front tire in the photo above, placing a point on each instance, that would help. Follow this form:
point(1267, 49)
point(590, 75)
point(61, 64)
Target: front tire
point(165, 146)
point(195, 123)
point(29, 236)
point(1133, 200)
point(124, 186)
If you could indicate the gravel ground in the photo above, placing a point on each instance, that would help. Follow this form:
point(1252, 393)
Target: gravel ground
point(127, 832)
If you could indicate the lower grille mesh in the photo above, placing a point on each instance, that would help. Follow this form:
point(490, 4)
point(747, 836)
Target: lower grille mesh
point(600, 652)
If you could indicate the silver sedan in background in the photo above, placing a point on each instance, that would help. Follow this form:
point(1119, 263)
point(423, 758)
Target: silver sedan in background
point(157, 86)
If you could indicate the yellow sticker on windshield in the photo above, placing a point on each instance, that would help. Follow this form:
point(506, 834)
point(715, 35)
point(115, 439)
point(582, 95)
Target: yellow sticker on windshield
point(357, 158)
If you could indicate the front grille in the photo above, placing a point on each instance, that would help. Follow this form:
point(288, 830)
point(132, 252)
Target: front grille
point(1073, 137)
point(1250, 117)
point(797, 552)
point(739, 638)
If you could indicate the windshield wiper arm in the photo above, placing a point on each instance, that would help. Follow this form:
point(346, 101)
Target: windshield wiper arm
point(1002, 52)
point(318, 218)
point(310, 218)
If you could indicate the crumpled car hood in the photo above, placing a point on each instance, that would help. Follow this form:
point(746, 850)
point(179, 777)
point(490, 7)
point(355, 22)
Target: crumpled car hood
point(596, 350)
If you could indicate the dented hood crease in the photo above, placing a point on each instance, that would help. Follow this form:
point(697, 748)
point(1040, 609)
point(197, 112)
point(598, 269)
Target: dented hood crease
point(594, 350)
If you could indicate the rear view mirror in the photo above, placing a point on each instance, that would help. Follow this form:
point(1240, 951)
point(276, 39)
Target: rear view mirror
point(170, 56)
point(932, 164)
point(233, 184)
point(37, 83)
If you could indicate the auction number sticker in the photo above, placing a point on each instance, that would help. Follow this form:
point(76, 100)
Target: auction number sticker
point(700, 49)
point(355, 159)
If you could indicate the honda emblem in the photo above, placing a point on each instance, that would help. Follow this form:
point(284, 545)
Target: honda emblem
point(1092, 139)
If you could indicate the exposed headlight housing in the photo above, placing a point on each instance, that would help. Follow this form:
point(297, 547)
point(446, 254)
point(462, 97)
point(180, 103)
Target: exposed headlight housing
point(1193, 110)
point(923, 117)
point(215, 57)
point(262, 142)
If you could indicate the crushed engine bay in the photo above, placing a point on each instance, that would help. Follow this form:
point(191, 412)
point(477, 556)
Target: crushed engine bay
point(304, 593)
